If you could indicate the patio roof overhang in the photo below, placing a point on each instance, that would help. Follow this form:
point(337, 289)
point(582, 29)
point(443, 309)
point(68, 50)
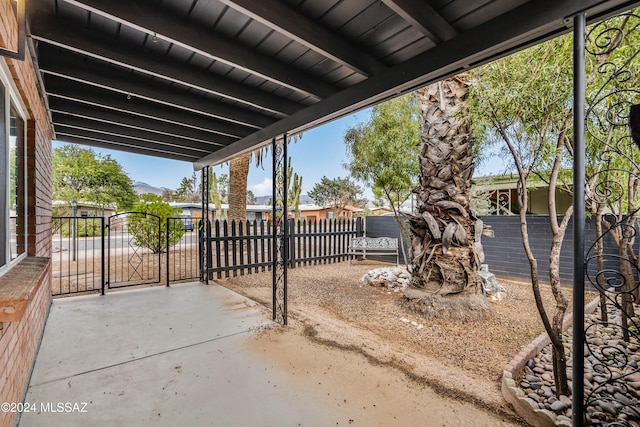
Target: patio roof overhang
point(206, 80)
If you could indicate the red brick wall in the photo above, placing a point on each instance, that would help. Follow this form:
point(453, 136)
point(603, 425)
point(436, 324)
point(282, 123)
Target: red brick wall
point(19, 340)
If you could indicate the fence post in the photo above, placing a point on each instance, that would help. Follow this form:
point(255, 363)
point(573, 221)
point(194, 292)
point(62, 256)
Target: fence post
point(102, 274)
point(292, 242)
point(359, 227)
point(209, 274)
point(167, 230)
point(200, 249)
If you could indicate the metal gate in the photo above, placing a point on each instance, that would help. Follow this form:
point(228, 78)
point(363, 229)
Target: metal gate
point(134, 249)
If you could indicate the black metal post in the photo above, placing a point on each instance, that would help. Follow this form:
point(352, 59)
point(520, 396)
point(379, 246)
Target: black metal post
point(103, 255)
point(74, 233)
point(206, 259)
point(108, 231)
point(285, 231)
point(274, 226)
point(579, 98)
point(201, 229)
point(167, 236)
point(280, 230)
point(359, 227)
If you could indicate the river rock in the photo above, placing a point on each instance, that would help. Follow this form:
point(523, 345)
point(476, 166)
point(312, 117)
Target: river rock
point(558, 406)
point(564, 399)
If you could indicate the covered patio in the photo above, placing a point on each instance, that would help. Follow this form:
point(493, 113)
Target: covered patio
point(205, 82)
point(184, 356)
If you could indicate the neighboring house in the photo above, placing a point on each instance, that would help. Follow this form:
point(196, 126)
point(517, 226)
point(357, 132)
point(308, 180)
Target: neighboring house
point(501, 196)
point(193, 211)
point(316, 213)
point(380, 210)
point(83, 209)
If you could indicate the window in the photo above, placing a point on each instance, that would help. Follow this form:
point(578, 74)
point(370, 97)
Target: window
point(13, 210)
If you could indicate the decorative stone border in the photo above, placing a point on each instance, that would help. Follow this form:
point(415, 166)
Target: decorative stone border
point(512, 393)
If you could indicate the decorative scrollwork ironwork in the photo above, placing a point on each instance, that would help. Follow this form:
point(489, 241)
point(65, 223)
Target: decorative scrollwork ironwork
point(280, 230)
point(612, 338)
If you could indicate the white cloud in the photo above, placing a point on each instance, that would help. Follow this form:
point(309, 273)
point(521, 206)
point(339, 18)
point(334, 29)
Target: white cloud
point(263, 188)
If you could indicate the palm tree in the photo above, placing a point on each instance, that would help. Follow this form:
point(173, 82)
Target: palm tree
point(445, 233)
point(238, 173)
point(237, 197)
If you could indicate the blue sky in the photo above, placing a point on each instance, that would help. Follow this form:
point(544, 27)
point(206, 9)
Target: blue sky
point(320, 152)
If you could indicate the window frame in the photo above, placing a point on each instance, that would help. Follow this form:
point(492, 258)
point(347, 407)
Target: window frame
point(11, 103)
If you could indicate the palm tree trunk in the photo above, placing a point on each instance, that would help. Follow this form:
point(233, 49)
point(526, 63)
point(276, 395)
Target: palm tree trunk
point(446, 236)
point(238, 173)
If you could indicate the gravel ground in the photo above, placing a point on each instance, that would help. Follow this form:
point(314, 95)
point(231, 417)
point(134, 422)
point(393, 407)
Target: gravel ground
point(332, 306)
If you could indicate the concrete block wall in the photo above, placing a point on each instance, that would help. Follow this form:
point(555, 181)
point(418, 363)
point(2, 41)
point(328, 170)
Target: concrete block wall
point(19, 340)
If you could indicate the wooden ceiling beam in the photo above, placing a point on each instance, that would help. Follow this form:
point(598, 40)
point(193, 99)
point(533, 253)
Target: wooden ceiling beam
point(168, 26)
point(277, 16)
point(49, 30)
point(424, 17)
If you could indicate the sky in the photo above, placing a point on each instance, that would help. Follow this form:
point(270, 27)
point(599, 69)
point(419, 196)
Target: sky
point(320, 152)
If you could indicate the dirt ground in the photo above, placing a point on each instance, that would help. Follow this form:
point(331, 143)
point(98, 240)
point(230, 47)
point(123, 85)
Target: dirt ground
point(329, 305)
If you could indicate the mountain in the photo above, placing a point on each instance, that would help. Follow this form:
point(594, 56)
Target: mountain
point(142, 188)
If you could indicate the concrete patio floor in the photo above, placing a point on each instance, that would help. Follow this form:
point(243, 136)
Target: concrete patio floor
point(163, 357)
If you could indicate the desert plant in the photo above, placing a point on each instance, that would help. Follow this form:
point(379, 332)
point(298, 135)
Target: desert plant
point(148, 225)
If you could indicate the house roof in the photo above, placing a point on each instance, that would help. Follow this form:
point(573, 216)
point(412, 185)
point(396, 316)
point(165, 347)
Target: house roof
point(505, 182)
point(205, 80)
point(81, 204)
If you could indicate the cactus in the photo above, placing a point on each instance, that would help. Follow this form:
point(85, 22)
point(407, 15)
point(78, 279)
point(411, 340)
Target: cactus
point(294, 189)
point(214, 194)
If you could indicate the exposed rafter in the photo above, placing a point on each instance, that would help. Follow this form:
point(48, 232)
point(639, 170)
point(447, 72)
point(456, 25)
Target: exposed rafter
point(227, 76)
point(484, 43)
point(64, 121)
point(84, 42)
point(101, 98)
point(275, 15)
point(113, 144)
point(133, 88)
point(154, 21)
point(116, 118)
point(422, 16)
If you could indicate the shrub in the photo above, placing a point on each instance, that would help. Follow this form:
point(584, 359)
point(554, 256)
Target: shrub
point(149, 225)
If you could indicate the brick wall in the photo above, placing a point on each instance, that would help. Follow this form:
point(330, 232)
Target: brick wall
point(19, 340)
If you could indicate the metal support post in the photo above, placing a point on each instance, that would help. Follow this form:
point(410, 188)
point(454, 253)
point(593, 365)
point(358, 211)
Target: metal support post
point(280, 230)
point(579, 96)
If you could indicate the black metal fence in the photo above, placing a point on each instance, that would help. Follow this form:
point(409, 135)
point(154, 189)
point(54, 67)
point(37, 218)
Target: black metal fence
point(88, 256)
point(77, 248)
point(247, 247)
point(94, 254)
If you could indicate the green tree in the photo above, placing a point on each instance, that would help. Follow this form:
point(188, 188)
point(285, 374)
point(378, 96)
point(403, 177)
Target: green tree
point(167, 195)
point(251, 198)
point(150, 197)
point(336, 193)
point(525, 102)
point(81, 174)
point(383, 152)
point(188, 191)
point(149, 225)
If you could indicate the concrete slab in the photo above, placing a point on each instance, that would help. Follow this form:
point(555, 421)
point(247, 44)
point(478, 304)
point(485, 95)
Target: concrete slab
point(160, 356)
point(187, 356)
